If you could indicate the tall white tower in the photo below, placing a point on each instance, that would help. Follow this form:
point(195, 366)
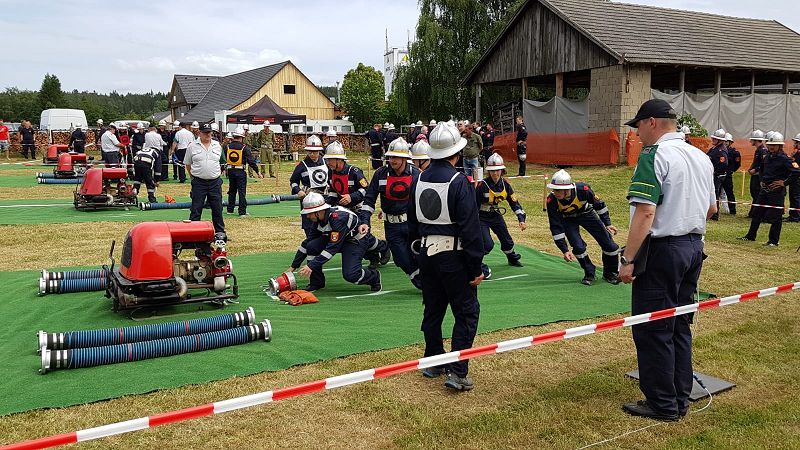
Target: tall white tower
point(392, 59)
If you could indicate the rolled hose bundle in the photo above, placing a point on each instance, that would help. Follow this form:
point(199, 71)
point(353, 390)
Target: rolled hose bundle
point(140, 333)
point(59, 180)
point(137, 351)
point(186, 205)
point(72, 285)
point(74, 274)
point(50, 175)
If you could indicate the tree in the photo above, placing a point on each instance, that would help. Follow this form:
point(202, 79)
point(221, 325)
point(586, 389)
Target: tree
point(451, 36)
point(362, 96)
point(50, 95)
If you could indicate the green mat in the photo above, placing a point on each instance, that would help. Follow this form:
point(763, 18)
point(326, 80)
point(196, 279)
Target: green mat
point(62, 211)
point(545, 290)
point(21, 181)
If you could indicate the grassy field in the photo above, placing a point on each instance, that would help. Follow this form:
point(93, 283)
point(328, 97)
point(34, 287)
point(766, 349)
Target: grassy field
point(560, 395)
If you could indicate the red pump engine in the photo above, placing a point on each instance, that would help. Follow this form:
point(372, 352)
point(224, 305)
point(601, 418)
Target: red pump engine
point(105, 188)
point(153, 272)
point(53, 150)
point(71, 165)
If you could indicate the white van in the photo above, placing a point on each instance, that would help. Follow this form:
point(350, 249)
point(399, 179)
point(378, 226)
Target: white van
point(62, 119)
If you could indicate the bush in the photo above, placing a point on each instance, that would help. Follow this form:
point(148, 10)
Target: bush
point(697, 130)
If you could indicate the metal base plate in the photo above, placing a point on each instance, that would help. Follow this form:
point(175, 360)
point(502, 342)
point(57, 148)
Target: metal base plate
point(714, 385)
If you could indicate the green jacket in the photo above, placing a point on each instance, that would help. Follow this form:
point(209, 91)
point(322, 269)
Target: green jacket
point(474, 146)
point(262, 139)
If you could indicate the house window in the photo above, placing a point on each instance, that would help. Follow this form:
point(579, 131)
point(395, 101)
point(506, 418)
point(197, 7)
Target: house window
point(325, 128)
point(288, 89)
point(309, 129)
point(347, 128)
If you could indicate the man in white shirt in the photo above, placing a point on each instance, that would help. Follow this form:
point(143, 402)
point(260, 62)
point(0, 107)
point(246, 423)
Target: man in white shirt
point(110, 146)
point(671, 196)
point(180, 143)
point(203, 162)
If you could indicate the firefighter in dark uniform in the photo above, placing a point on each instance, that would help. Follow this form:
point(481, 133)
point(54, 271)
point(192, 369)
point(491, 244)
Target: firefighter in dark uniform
point(392, 184)
point(77, 140)
point(99, 133)
point(734, 163)
point(443, 226)
point(237, 156)
point(491, 192)
point(335, 230)
point(778, 170)
point(719, 159)
point(419, 155)
point(487, 136)
point(147, 165)
point(757, 140)
point(346, 184)
point(375, 139)
point(166, 135)
point(390, 136)
point(137, 140)
point(522, 146)
point(794, 187)
point(574, 205)
point(310, 175)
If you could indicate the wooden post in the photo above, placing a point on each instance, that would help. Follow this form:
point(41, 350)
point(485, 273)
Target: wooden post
point(560, 84)
point(478, 94)
point(525, 88)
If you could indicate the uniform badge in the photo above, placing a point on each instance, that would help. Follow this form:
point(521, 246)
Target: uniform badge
point(363, 182)
point(514, 197)
point(335, 236)
point(795, 165)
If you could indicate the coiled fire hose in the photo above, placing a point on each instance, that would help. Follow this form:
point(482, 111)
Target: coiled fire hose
point(50, 175)
point(59, 180)
point(137, 351)
point(71, 285)
point(140, 333)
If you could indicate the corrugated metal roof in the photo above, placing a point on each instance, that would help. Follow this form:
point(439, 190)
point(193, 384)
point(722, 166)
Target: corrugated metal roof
point(231, 90)
point(650, 34)
point(195, 87)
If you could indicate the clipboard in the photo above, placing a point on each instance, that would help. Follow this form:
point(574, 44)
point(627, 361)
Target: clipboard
point(640, 259)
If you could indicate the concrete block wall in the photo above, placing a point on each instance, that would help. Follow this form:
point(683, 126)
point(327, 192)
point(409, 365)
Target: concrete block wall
point(616, 92)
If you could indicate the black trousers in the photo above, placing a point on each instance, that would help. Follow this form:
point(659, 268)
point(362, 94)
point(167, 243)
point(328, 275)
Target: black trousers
point(727, 186)
point(376, 153)
point(596, 228)
point(772, 216)
point(445, 282)
point(143, 173)
point(718, 180)
point(755, 188)
point(664, 347)
point(164, 164)
point(522, 157)
point(207, 191)
point(112, 159)
point(29, 147)
point(794, 200)
point(181, 153)
point(237, 183)
point(491, 221)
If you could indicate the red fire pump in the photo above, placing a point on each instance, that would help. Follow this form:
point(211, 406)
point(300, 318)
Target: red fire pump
point(153, 273)
point(105, 188)
point(71, 165)
point(53, 150)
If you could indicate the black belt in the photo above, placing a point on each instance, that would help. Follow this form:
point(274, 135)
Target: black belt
point(681, 238)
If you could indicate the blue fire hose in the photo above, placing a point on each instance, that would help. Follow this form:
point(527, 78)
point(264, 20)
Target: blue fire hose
point(70, 286)
point(140, 333)
point(59, 180)
point(137, 351)
point(50, 175)
point(187, 205)
point(74, 274)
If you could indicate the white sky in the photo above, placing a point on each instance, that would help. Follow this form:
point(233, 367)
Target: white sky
point(138, 46)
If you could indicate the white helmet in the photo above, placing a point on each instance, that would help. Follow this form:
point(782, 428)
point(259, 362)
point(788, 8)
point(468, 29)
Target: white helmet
point(495, 162)
point(238, 132)
point(140, 125)
point(246, 127)
point(432, 123)
point(796, 138)
point(719, 135)
point(420, 150)
point(686, 130)
point(313, 144)
point(386, 125)
point(195, 125)
point(162, 123)
point(418, 124)
point(757, 135)
point(390, 127)
point(775, 139)
point(445, 141)
point(214, 127)
point(561, 180)
point(335, 150)
point(177, 123)
point(728, 137)
point(331, 133)
point(399, 148)
point(768, 135)
point(99, 121)
point(229, 135)
point(77, 126)
point(313, 202)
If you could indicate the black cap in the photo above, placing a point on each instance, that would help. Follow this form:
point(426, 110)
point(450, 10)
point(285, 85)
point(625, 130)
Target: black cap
point(655, 108)
point(205, 128)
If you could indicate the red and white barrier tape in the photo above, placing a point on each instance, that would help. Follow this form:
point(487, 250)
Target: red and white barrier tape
point(756, 204)
point(382, 372)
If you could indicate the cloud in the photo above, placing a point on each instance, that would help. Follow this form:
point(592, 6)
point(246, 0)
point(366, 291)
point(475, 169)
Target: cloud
point(231, 60)
point(156, 63)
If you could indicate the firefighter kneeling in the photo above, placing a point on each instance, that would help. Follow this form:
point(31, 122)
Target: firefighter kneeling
point(336, 230)
point(147, 165)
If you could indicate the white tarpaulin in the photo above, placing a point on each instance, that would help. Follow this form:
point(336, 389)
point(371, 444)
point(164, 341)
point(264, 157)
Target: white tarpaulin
point(557, 115)
point(739, 115)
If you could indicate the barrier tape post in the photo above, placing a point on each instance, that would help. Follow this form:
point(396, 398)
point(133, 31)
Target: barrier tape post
point(384, 371)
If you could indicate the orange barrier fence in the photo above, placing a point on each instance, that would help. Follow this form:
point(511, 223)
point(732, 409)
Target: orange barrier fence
point(633, 146)
point(584, 149)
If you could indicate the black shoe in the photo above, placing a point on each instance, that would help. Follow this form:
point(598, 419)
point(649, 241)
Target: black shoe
point(588, 280)
point(612, 278)
point(514, 262)
point(715, 217)
point(311, 288)
point(434, 372)
point(376, 286)
point(373, 263)
point(683, 412)
point(417, 282)
point(642, 409)
point(385, 257)
point(459, 383)
point(745, 238)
